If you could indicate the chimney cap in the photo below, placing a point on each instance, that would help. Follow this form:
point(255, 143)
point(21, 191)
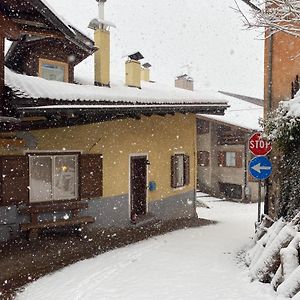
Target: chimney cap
point(186, 77)
point(96, 24)
point(147, 65)
point(136, 56)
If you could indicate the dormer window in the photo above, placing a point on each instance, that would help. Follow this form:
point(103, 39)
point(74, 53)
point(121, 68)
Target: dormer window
point(53, 70)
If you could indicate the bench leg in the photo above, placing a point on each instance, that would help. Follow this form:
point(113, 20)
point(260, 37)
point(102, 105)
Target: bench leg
point(33, 234)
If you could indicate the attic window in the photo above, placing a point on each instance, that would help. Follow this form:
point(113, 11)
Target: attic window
point(53, 70)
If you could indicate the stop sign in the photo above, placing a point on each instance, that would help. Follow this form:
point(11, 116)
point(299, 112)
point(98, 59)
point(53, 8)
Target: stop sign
point(259, 146)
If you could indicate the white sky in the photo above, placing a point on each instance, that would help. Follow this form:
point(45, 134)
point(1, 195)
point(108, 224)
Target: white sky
point(208, 35)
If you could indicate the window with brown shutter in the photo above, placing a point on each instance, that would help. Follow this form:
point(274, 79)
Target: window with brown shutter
point(91, 175)
point(203, 158)
point(202, 126)
point(231, 159)
point(180, 170)
point(14, 180)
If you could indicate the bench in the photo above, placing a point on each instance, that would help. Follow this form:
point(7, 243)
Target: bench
point(71, 209)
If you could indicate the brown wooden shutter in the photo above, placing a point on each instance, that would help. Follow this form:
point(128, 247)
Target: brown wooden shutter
point(14, 181)
point(239, 159)
point(91, 176)
point(222, 159)
point(203, 158)
point(173, 171)
point(186, 170)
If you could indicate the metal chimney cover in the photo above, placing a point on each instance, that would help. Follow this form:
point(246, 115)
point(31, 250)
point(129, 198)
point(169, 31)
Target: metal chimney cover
point(136, 56)
point(147, 65)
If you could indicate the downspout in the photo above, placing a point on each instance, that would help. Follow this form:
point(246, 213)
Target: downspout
point(270, 72)
point(269, 103)
point(245, 168)
point(195, 169)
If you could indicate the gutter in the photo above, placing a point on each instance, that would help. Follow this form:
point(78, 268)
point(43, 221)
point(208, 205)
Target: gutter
point(207, 108)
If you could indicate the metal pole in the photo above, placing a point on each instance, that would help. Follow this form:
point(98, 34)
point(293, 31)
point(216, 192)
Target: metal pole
point(259, 201)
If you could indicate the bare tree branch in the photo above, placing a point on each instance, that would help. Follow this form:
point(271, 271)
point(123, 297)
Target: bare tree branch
point(275, 15)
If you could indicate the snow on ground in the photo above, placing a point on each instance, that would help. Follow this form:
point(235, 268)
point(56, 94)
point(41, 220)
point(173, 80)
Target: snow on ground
point(201, 263)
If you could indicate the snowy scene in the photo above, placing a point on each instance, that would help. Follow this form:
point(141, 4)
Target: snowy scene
point(149, 149)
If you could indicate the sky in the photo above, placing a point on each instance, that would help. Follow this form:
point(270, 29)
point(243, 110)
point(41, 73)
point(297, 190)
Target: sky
point(205, 38)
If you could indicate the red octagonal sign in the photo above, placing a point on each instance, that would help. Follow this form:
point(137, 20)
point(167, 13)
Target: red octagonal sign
point(259, 146)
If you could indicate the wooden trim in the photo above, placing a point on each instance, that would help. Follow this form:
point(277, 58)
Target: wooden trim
point(8, 28)
point(56, 63)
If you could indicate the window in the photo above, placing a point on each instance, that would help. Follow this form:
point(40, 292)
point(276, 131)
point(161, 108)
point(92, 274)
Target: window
point(53, 70)
point(231, 159)
point(203, 158)
point(53, 177)
point(180, 170)
point(202, 126)
point(40, 177)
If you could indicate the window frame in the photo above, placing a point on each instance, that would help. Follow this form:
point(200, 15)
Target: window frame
point(229, 160)
point(186, 171)
point(64, 65)
point(53, 155)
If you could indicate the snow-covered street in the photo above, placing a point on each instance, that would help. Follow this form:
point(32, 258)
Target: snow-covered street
point(201, 263)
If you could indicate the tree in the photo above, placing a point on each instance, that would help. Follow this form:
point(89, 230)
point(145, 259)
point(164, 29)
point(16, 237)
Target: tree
point(274, 15)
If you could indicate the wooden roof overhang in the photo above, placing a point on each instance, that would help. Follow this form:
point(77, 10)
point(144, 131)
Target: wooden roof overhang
point(43, 117)
point(34, 18)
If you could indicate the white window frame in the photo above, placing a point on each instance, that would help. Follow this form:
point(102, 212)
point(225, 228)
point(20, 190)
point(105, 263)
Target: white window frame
point(52, 158)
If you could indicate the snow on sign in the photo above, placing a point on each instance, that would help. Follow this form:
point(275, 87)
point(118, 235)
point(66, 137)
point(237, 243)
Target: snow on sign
point(258, 145)
point(260, 167)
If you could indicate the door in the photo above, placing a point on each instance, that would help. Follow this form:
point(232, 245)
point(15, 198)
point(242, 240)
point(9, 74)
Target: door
point(138, 186)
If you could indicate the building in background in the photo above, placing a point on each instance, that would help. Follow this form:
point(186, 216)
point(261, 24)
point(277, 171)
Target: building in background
point(223, 155)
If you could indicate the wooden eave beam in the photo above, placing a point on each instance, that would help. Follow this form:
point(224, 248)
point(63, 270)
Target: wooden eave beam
point(8, 28)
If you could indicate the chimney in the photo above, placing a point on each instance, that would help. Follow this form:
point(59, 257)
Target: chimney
point(145, 72)
point(133, 70)
point(102, 42)
point(184, 82)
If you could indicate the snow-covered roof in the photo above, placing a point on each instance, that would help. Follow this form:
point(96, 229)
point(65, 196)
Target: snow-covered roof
point(241, 113)
point(36, 88)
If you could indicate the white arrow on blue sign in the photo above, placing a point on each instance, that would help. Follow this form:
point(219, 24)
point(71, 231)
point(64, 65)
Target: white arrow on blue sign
point(260, 167)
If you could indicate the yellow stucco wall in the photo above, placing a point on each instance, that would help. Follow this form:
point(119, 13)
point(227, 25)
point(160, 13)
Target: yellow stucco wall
point(158, 137)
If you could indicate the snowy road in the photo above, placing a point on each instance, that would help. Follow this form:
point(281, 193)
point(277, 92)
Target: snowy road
point(192, 264)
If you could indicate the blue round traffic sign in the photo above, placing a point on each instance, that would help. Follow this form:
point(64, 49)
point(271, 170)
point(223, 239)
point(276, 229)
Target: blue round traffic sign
point(260, 167)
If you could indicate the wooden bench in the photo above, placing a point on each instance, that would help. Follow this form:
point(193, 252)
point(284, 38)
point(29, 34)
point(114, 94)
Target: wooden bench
point(71, 209)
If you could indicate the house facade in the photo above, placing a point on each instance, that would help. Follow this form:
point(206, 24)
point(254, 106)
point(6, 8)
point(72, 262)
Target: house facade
point(73, 154)
point(281, 83)
point(223, 152)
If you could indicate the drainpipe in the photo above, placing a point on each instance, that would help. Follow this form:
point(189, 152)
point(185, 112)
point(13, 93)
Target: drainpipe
point(270, 72)
point(269, 107)
point(245, 168)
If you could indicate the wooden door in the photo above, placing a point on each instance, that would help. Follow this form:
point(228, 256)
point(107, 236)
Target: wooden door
point(138, 186)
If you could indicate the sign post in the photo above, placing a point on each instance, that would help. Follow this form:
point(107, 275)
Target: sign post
point(260, 167)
